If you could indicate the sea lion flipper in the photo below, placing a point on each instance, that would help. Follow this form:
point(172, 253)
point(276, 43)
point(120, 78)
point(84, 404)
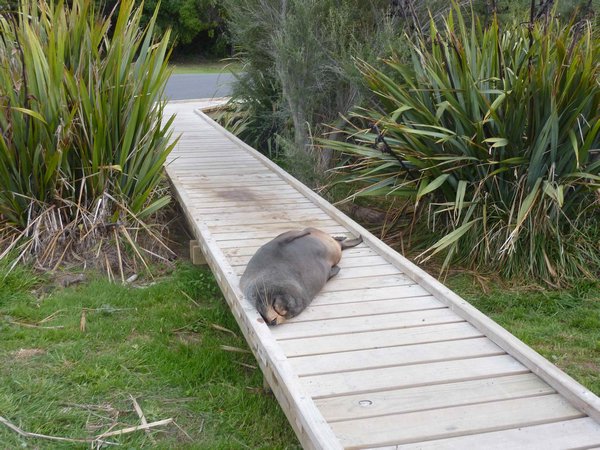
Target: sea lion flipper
point(290, 236)
point(333, 272)
point(347, 243)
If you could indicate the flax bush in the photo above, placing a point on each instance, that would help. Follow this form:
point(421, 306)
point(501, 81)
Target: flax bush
point(493, 135)
point(81, 143)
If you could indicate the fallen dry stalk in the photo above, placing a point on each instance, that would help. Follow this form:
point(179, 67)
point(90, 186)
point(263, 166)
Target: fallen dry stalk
point(32, 325)
point(142, 417)
point(96, 439)
point(229, 348)
point(51, 316)
point(136, 428)
point(220, 328)
point(190, 298)
point(23, 433)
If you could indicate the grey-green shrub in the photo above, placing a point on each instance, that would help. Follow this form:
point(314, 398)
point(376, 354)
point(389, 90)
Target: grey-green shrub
point(298, 61)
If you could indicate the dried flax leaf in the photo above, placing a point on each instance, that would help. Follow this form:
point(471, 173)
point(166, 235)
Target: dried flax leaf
point(136, 428)
point(141, 415)
point(229, 348)
point(221, 328)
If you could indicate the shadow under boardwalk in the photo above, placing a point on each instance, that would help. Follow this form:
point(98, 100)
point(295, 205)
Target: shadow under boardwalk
point(385, 356)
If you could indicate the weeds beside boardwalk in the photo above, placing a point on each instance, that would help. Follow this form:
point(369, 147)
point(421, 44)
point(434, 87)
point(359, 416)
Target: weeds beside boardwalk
point(562, 325)
point(161, 343)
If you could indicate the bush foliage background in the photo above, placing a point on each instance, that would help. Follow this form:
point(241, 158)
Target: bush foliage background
point(494, 134)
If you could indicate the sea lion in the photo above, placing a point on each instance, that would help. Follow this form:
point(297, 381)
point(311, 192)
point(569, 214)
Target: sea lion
point(285, 274)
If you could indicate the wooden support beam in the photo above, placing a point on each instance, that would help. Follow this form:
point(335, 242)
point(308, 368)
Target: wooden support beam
point(196, 255)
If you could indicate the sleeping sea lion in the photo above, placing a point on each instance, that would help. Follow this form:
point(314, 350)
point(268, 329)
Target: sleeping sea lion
point(285, 274)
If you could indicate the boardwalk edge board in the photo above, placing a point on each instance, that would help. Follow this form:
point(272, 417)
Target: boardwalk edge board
point(579, 395)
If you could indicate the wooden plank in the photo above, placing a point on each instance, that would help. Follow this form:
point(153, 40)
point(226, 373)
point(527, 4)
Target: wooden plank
point(276, 228)
point(336, 230)
point(400, 401)
point(375, 293)
point(244, 240)
point(217, 177)
point(572, 434)
point(365, 271)
point(377, 339)
point(250, 194)
point(358, 251)
point(204, 209)
point(574, 391)
point(202, 182)
point(340, 284)
point(196, 159)
point(258, 219)
point(271, 216)
point(363, 381)
point(223, 196)
point(266, 185)
point(394, 356)
point(294, 330)
point(180, 162)
point(317, 311)
point(348, 272)
point(455, 421)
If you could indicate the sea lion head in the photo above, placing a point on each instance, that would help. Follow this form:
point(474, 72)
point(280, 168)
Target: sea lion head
point(276, 305)
point(275, 308)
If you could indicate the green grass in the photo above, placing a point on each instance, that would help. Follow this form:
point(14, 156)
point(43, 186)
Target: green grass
point(205, 67)
point(150, 342)
point(563, 326)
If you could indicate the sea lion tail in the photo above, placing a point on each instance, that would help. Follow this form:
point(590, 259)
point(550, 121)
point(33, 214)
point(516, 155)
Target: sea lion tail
point(348, 243)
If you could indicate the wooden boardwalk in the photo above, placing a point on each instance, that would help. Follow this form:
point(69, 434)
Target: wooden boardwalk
point(386, 356)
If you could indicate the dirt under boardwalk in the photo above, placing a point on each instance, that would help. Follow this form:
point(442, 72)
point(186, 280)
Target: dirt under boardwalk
point(385, 356)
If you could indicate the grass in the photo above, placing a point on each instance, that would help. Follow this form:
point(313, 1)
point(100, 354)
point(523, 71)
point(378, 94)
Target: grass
point(563, 325)
point(190, 67)
point(152, 342)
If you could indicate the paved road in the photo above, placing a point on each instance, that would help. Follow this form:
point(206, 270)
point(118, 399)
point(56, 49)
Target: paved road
point(193, 86)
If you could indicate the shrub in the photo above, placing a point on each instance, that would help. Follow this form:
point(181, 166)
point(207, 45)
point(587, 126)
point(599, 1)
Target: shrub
point(494, 135)
point(298, 65)
point(82, 145)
